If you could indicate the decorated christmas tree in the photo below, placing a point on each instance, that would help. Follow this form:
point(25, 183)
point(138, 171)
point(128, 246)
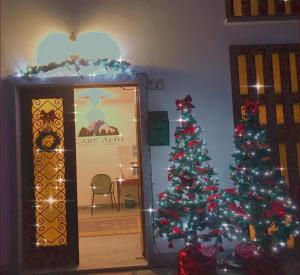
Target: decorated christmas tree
point(189, 208)
point(263, 193)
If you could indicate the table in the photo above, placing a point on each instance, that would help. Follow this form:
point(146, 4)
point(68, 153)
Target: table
point(126, 182)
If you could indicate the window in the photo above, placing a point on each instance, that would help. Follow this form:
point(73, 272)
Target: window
point(256, 10)
point(271, 74)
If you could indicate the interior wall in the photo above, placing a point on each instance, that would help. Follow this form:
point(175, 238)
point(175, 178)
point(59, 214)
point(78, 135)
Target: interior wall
point(183, 42)
point(105, 154)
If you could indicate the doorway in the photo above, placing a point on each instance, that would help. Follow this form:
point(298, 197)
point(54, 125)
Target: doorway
point(65, 126)
point(108, 177)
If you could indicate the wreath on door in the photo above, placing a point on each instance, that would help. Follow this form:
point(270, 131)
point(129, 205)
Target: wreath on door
point(47, 140)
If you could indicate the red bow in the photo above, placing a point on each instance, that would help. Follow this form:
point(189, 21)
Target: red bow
point(48, 117)
point(251, 106)
point(184, 103)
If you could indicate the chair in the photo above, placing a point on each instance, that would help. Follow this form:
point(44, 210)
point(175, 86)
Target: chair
point(102, 185)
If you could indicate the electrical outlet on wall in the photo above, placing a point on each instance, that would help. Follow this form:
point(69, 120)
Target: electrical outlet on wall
point(156, 84)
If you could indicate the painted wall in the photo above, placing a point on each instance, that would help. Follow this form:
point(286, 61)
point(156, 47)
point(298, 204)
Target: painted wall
point(184, 42)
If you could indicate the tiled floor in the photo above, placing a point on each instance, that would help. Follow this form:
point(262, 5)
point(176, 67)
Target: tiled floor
point(110, 251)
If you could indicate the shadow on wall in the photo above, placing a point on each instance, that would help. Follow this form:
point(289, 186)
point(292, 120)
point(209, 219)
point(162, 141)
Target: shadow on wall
point(58, 47)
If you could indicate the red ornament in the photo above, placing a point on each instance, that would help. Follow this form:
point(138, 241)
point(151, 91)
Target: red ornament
point(230, 190)
point(189, 130)
point(211, 188)
point(268, 213)
point(184, 103)
point(269, 181)
point(178, 188)
point(177, 230)
point(216, 232)
point(232, 206)
point(278, 209)
point(212, 206)
point(191, 196)
point(164, 222)
point(240, 130)
point(179, 155)
point(193, 143)
point(259, 197)
point(200, 210)
point(162, 195)
point(202, 170)
point(186, 209)
point(240, 211)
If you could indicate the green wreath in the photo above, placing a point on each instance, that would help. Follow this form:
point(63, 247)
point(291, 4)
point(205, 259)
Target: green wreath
point(47, 140)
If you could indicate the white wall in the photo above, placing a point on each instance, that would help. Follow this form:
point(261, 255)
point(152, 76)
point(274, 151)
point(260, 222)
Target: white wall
point(185, 42)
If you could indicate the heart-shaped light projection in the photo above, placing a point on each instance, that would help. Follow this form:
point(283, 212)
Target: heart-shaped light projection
point(58, 47)
point(92, 54)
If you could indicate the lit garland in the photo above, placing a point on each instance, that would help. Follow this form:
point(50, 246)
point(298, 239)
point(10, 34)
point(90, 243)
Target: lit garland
point(95, 67)
point(263, 194)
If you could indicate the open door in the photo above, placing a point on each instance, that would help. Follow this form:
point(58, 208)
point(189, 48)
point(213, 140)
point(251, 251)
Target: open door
point(49, 218)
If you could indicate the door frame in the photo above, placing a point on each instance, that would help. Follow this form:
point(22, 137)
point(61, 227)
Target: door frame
point(12, 156)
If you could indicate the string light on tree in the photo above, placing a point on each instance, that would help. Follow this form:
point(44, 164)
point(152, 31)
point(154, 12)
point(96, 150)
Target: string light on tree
point(263, 195)
point(189, 208)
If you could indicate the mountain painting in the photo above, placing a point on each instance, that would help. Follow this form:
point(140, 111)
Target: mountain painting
point(98, 128)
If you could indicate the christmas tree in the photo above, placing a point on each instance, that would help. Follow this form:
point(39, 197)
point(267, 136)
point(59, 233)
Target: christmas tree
point(263, 193)
point(189, 208)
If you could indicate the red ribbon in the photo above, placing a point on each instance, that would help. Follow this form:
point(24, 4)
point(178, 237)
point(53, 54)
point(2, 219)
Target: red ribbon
point(257, 263)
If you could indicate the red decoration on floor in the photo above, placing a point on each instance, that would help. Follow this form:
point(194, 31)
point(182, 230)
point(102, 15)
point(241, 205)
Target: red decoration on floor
point(197, 260)
point(256, 262)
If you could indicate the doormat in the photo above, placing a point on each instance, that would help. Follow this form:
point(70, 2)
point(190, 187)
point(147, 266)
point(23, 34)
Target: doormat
point(106, 226)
